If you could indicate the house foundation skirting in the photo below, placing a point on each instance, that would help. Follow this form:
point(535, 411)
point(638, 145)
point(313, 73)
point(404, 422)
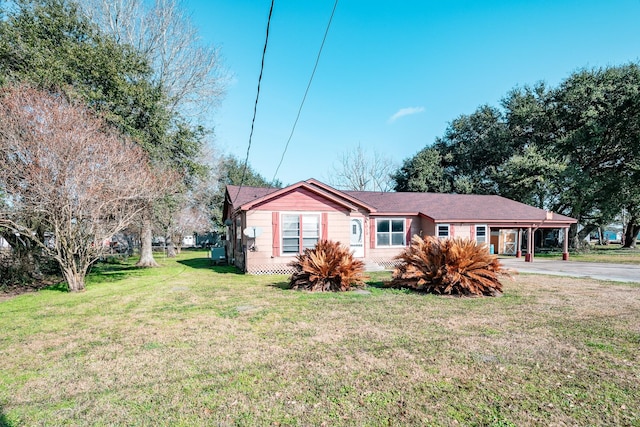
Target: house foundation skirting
point(266, 269)
point(386, 263)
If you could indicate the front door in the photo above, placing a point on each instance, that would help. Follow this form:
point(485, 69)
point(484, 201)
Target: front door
point(357, 237)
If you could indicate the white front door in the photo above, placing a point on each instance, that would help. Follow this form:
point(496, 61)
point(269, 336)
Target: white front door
point(357, 237)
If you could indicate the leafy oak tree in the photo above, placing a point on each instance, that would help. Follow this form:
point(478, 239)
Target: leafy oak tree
point(599, 110)
point(423, 172)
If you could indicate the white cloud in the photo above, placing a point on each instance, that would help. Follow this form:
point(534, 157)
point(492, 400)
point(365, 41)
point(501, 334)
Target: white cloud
point(405, 112)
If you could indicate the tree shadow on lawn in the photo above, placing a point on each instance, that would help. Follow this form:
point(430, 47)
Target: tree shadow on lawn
point(285, 286)
point(4, 422)
point(379, 284)
point(107, 273)
point(206, 263)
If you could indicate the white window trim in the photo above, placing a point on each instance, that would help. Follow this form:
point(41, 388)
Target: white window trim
point(438, 231)
point(301, 237)
point(486, 233)
point(404, 233)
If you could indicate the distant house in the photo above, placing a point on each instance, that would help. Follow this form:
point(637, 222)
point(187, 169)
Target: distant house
point(267, 227)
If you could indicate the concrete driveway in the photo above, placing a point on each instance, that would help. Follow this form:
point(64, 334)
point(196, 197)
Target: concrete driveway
point(594, 270)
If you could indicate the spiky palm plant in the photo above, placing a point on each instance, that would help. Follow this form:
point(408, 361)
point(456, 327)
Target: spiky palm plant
point(328, 266)
point(450, 266)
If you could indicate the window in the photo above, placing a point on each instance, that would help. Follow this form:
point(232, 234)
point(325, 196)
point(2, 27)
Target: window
point(481, 233)
point(390, 232)
point(443, 231)
point(296, 238)
point(238, 234)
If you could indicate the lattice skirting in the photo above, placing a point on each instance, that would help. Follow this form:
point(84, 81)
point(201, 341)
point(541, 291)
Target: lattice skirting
point(270, 269)
point(387, 263)
point(265, 269)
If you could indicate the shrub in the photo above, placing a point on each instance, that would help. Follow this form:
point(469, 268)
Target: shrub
point(450, 266)
point(26, 271)
point(329, 266)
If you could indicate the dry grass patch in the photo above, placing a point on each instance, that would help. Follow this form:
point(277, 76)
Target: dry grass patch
point(187, 345)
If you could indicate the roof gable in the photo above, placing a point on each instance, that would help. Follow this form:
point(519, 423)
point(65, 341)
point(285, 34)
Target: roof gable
point(245, 198)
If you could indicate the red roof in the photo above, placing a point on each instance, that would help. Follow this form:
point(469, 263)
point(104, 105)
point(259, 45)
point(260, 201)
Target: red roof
point(438, 206)
point(247, 194)
point(455, 207)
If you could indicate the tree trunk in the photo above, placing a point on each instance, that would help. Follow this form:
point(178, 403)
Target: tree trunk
point(146, 241)
point(75, 279)
point(171, 248)
point(600, 236)
point(631, 232)
point(586, 231)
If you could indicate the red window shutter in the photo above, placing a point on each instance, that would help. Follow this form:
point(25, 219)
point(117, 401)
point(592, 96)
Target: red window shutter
point(372, 234)
point(408, 232)
point(452, 230)
point(275, 230)
point(325, 226)
point(472, 230)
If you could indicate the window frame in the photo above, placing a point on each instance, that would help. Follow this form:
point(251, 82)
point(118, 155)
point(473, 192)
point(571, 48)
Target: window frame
point(448, 226)
point(390, 233)
point(486, 233)
point(301, 232)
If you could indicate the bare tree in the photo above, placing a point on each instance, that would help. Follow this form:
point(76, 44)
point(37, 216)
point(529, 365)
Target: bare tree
point(189, 70)
point(70, 182)
point(189, 220)
point(185, 213)
point(361, 170)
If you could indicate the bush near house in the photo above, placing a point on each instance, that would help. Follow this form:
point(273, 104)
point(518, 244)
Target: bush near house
point(450, 266)
point(328, 266)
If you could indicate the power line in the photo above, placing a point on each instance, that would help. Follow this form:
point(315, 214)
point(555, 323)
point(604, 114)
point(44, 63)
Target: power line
point(305, 92)
point(255, 106)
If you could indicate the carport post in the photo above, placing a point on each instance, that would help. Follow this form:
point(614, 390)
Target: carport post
point(530, 245)
point(519, 247)
point(565, 245)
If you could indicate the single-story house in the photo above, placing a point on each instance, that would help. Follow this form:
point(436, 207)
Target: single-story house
point(267, 227)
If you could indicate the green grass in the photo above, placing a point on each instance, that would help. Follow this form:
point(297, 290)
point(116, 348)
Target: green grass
point(607, 254)
point(190, 344)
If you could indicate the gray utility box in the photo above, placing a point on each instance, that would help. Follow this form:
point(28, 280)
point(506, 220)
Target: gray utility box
point(218, 256)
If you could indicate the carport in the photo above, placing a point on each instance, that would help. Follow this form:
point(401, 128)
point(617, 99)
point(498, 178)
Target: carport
point(525, 232)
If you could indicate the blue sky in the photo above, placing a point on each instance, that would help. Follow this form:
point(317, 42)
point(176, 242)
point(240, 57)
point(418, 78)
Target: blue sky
point(392, 73)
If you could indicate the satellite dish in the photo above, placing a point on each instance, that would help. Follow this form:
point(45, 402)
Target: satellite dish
point(252, 232)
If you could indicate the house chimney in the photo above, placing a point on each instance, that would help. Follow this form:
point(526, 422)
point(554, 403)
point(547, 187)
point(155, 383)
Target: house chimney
point(549, 215)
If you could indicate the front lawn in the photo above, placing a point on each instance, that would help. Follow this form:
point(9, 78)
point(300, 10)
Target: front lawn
point(189, 344)
point(612, 254)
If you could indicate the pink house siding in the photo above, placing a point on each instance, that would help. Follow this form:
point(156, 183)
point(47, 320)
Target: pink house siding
point(264, 254)
point(384, 255)
point(275, 233)
point(300, 199)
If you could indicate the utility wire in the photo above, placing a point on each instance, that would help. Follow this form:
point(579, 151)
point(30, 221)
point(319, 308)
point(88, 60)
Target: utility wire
point(255, 107)
point(305, 92)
